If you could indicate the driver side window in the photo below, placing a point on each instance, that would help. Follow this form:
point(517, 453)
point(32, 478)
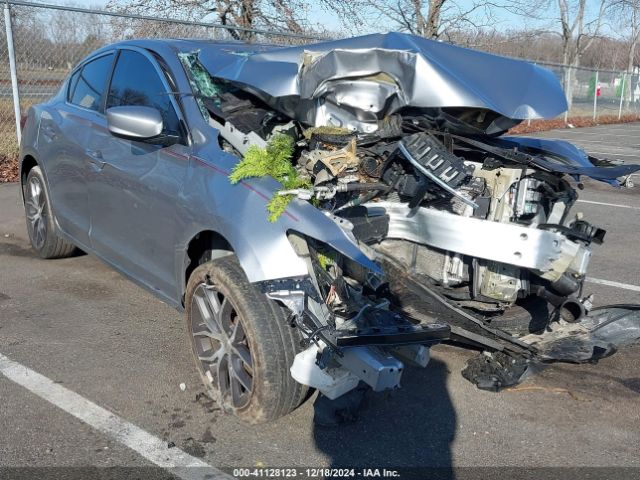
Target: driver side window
point(135, 81)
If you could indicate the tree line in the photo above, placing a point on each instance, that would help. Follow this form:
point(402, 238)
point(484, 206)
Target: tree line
point(599, 34)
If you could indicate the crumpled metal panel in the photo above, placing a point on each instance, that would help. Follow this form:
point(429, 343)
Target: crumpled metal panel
point(358, 81)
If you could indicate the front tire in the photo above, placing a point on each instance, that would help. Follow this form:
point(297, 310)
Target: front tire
point(40, 223)
point(242, 344)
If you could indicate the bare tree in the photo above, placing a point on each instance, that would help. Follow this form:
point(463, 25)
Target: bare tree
point(577, 35)
point(428, 18)
point(626, 13)
point(289, 15)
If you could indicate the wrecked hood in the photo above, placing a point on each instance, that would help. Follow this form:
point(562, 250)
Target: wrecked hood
point(357, 82)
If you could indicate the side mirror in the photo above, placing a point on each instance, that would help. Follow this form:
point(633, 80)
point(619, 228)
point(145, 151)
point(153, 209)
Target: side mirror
point(134, 122)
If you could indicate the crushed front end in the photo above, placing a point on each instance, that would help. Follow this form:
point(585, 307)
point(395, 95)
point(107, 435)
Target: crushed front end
point(468, 235)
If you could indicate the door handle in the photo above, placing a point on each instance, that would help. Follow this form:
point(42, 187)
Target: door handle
point(95, 158)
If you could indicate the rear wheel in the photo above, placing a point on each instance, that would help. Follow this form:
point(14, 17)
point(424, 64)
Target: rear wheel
point(40, 222)
point(242, 344)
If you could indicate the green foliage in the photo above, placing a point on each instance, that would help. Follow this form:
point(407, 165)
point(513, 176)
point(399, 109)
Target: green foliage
point(277, 206)
point(273, 161)
point(326, 259)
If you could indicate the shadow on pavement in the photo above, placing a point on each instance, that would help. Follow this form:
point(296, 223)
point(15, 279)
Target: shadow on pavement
point(411, 429)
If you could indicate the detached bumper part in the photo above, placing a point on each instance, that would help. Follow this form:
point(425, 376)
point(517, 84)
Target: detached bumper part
point(494, 371)
point(599, 335)
point(331, 382)
point(379, 369)
point(395, 335)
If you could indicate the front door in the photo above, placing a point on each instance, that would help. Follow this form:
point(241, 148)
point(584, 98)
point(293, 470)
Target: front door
point(134, 200)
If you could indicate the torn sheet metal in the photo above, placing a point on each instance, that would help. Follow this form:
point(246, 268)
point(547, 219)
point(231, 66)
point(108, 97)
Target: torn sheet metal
point(596, 336)
point(357, 82)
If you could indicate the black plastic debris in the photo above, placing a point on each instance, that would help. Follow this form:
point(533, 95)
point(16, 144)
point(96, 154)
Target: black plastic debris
point(598, 335)
point(495, 371)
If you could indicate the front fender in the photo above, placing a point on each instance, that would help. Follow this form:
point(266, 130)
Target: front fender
point(238, 213)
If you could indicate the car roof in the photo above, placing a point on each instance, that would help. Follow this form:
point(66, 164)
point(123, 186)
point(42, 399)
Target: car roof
point(189, 45)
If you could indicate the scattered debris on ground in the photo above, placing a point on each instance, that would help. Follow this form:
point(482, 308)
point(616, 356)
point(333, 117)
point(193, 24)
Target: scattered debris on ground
point(496, 370)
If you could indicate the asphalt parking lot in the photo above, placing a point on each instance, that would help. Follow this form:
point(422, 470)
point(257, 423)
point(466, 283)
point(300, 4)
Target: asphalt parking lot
point(93, 333)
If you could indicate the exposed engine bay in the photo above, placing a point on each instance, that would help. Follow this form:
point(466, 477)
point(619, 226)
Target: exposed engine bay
point(473, 232)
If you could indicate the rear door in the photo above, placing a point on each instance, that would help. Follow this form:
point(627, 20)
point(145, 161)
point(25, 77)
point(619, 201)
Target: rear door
point(134, 199)
point(64, 144)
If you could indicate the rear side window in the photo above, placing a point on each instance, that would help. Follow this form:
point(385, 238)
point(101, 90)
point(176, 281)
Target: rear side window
point(87, 86)
point(136, 82)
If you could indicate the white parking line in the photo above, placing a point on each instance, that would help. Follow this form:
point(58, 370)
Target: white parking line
point(609, 283)
point(599, 134)
point(617, 205)
point(578, 141)
point(152, 448)
point(632, 155)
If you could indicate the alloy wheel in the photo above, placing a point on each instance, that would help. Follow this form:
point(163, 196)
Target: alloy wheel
point(36, 212)
point(221, 346)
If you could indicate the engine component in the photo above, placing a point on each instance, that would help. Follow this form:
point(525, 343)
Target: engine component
point(583, 231)
point(430, 153)
point(335, 161)
point(528, 197)
point(567, 285)
point(371, 167)
point(429, 157)
point(498, 281)
point(367, 229)
point(453, 269)
point(324, 192)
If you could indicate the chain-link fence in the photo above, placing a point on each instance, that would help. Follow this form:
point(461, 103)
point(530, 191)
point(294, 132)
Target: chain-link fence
point(48, 41)
point(594, 93)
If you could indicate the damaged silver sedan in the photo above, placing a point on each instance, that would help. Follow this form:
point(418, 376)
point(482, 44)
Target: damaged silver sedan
point(324, 214)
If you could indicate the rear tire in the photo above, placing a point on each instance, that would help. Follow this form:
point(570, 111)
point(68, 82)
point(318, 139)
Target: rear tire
point(242, 344)
point(40, 222)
